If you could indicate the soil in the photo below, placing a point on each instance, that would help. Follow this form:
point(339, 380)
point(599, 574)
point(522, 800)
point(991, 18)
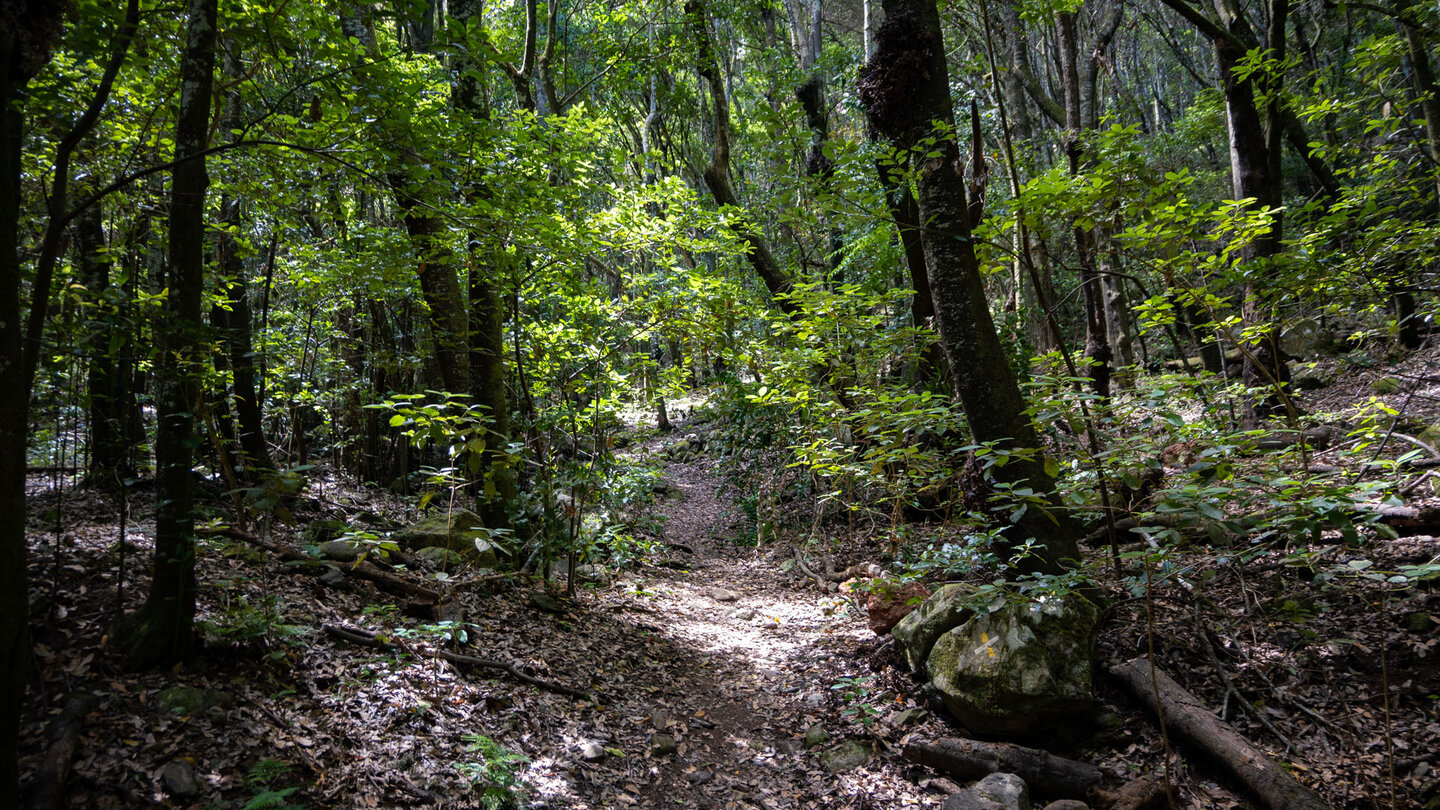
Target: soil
point(712, 642)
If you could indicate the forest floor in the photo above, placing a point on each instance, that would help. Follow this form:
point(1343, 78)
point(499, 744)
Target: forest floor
point(709, 667)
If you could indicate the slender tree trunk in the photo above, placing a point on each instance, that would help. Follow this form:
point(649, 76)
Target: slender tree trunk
point(717, 174)
point(488, 271)
point(160, 632)
point(904, 88)
point(109, 454)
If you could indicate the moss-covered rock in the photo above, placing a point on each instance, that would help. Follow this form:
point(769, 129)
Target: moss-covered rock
point(460, 531)
point(947, 608)
point(1386, 385)
point(1020, 666)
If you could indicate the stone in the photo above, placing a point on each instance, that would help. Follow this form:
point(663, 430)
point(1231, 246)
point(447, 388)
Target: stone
point(946, 609)
point(546, 602)
point(662, 745)
point(1005, 789)
point(679, 450)
point(700, 777)
point(1020, 666)
point(885, 607)
point(1067, 804)
point(440, 557)
point(188, 700)
point(1305, 338)
point(179, 778)
point(846, 756)
point(592, 751)
point(904, 717)
point(461, 531)
point(346, 551)
point(816, 736)
point(743, 614)
point(1420, 622)
point(722, 595)
point(593, 574)
point(1386, 385)
point(1311, 379)
point(320, 531)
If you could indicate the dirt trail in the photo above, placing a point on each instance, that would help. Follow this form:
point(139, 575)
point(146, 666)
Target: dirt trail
point(741, 662)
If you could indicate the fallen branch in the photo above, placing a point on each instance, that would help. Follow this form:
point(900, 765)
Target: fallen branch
point(1145, 793)
point(968, 760)
point(385, 580)
point(47, 791)
point(365, 638)
point(1192, 721)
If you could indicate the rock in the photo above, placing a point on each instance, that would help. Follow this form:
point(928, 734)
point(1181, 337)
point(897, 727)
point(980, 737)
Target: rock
point(546, 602)
point(461, 531)
point(743, 614)
point(1067, 804)
point(592, 751)
point(904, 717)
point(946, 609)
point(679, 450)
point(441, 557)
point(722, 595)
point(700, 777)
point(815, 699)
point(593, 574)
point(1386, 385)
point(178, 775)
point(1018, 666)
point(846, 756)
point(1305, 338)
point(885, 607)
point(320, 531)
point(188, 700)
point(816, 736)
point(662, 745)
point(346, 551)
point(1420, 622)
point(1311, 379)
point(1005, 789)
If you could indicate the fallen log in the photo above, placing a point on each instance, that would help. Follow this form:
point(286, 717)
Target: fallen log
point(47, 791)
point(365, 638)
point(1190, 720)
point(384, 580)
point(968, 760)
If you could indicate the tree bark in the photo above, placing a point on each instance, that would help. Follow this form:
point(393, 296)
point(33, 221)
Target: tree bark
point(717, 174)
point(968, 760)
point(904, 90)
point(160, 632)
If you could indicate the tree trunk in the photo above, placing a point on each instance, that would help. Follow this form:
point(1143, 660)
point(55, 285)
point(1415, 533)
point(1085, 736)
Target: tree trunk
point(904, 90)
point(160, 632)
point(109, 456)
point(717, 174)
point(489, 272)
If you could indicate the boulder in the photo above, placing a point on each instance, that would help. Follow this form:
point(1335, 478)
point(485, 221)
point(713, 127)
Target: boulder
point(917, 632)
point(885, 607)
point(347, 551)
point(1311, 379)
point(1386, 385)
point(179, 778)
point(846, 756)
point(662, 745)
point(1020, 666)
point(440, 557)
point(188, 700)
point(998, 791)
point(461, 531)
point(593, 574)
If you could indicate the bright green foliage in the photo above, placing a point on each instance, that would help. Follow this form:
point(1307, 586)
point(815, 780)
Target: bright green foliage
point(495, 773)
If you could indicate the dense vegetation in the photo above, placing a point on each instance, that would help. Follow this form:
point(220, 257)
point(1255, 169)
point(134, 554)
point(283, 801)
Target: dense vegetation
point(970, 275)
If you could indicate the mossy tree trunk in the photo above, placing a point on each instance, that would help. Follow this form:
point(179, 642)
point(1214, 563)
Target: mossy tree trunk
point(905, 91)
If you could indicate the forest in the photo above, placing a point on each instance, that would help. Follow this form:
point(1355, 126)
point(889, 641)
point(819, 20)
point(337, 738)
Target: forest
point(719, 403)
